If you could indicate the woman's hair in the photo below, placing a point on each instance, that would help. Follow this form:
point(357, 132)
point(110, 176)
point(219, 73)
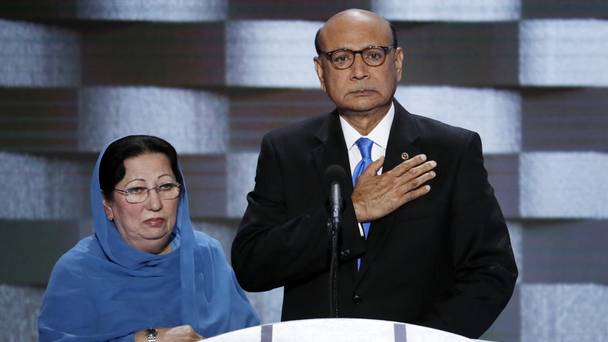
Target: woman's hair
point(112, 167)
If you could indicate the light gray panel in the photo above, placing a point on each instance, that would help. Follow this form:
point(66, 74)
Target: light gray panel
point(494, 114)
point(268, 53)
point(506, 328)
point(267, 304)
point(563, 185)
point(34, 55)
point(563, 52)
point(154, 10)
point(42, 188)
point(20, 307)
point(565, 313)
point(448, 10)
point(192, 121)
point(240, 168)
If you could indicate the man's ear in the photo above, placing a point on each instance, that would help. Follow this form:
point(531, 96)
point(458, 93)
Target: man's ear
point(399, 56)
point(108, 209)
point(319, 70)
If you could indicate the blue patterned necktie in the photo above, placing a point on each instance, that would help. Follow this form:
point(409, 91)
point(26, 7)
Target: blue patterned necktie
point(365, 148)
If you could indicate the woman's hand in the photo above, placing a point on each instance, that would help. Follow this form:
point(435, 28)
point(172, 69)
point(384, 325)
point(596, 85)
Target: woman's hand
point(180, 333)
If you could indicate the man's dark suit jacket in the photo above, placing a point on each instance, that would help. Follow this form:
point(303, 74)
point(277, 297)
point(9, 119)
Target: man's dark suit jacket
point(443, 260)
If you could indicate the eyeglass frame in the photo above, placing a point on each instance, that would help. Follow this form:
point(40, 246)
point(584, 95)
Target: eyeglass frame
point(155, 188)
point(386, 50)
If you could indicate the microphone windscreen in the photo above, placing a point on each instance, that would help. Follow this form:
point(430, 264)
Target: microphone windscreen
point(335, 173)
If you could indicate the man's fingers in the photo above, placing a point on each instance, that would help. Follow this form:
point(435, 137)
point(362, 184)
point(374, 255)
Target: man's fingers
point(408, 164)
point(412, 195)
point(415, 172)
point(417, 182)
point(373, 168)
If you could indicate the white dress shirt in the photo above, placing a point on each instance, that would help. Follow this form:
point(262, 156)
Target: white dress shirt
point(379, 135)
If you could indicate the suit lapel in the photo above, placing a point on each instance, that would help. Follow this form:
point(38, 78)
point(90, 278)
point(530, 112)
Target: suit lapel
point(402, 139)
point(331, 150)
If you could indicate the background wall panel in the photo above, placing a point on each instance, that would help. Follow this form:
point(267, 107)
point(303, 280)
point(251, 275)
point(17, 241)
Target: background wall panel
point(448, 10)
point(266, 53)
point(465, 54)
point(214, 76)
point(38, 119)
point(563, 52)
point(194, 121)
point(154, 10)
point(35, 55)
point(565, 119)
point(144, 53)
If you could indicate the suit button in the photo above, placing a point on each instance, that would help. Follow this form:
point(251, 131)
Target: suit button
point(345, 253)
point(357, 299)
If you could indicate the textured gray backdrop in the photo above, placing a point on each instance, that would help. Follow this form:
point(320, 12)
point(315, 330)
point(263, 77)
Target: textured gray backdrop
point(212, 76)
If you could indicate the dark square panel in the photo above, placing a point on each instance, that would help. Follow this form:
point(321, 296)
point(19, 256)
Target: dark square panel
point(38, 119)
point(565, 120)
point(33, 247)
point(294, 9)
point(153, 54)
point(503, 174)
point(564, 9)
point(467, 54)
point(206, 181)
point(565, 251)
point(255, 112)
point(38, 9)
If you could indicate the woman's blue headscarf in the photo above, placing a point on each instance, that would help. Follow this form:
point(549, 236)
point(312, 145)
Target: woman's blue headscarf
point(103, 289)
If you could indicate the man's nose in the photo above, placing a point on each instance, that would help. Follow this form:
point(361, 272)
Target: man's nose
point(359, 70)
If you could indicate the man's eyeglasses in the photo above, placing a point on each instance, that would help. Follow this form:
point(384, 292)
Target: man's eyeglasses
point(138, 194)
point(372, 55)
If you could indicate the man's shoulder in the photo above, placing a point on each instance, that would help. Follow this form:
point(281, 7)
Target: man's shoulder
point(298, 129)
point(432, 129)
point(297, 136)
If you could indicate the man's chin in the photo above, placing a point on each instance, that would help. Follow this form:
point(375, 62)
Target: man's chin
point(364, 108)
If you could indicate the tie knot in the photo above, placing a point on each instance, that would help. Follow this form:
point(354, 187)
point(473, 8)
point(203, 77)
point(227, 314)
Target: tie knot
point(365, 148)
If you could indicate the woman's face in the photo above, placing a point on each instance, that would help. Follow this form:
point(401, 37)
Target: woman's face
point(148, 225)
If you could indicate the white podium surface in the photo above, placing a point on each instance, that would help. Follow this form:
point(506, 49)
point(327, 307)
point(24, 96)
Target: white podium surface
point(338, 329)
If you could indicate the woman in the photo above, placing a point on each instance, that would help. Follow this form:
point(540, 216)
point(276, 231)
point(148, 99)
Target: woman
point(145, 275)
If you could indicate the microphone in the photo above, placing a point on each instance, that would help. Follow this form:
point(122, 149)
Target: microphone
point(335, 176)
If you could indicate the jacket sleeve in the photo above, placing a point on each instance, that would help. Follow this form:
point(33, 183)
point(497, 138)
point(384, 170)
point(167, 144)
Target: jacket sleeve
point(272, 249)
point(483, 262)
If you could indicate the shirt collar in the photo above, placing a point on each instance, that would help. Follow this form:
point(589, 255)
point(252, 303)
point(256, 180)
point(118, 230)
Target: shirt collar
point(379, 135)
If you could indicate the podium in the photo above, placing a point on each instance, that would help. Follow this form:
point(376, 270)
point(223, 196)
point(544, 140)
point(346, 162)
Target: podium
point(337, 330)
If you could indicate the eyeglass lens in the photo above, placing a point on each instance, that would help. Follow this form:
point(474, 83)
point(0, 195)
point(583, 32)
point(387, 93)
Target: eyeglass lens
point(140, 194)
point(373, 56)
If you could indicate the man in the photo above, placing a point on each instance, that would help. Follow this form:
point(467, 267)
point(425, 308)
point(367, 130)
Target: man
point(437, 252)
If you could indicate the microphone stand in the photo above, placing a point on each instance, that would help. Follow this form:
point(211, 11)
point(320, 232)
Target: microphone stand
point(334, 175)
point(333, 269)
point(333, 224)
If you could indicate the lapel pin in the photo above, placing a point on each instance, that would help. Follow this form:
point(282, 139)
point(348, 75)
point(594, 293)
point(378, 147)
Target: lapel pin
point(405, 156)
